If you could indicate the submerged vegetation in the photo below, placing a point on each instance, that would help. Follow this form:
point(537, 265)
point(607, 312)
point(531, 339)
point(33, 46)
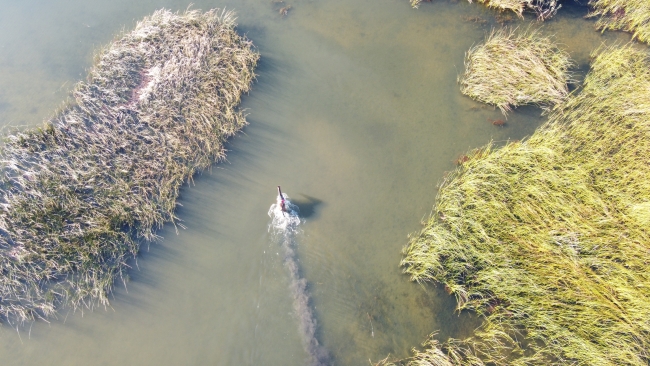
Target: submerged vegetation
point(627, 15)
point(548, 239)
point(513, 68)
point(79, 194)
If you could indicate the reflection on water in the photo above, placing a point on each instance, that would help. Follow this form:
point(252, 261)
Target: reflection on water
point(356, 111)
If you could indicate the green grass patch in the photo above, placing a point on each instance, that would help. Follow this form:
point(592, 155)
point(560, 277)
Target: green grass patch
point(79, 194)
point(549, 239)
point(516, 67)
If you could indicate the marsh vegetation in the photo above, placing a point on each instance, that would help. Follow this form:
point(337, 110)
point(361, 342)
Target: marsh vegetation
point(82, 192)
point(627, 15)
point(548, 238)
point(543, 9)
point(515, 67)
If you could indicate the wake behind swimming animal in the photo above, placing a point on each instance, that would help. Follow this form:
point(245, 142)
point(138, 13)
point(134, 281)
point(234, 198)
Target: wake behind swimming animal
point(285, 227)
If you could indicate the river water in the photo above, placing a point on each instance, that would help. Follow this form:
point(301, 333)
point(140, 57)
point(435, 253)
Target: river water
point(356, 113)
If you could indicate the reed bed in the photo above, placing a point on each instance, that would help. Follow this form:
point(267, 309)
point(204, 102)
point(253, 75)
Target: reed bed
point(516, 67)
point(549, 239)
point(81, 193)
point(627, 15)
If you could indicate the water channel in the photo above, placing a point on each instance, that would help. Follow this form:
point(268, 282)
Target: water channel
point(356, 113)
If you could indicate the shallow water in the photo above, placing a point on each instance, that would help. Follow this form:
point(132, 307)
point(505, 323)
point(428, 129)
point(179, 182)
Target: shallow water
point(356, 112)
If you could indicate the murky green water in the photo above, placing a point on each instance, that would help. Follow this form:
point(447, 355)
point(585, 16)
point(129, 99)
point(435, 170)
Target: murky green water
point(356, 113)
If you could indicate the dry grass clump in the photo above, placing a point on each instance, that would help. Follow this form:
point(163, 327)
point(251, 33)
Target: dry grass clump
point(513, 68)
point(79, 194)
point(549, 239)
point(543, 9)
point(627, 15)
point(517, 6)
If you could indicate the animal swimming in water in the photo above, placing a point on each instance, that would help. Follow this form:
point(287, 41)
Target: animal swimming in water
point(283, 205)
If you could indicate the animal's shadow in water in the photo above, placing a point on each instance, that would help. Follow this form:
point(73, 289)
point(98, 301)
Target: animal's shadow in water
point(309, 206)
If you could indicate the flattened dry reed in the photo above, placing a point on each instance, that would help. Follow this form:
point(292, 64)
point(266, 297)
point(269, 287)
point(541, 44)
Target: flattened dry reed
point(513, 68)
point(79, 194)
point(627, 15)
point(549, 239)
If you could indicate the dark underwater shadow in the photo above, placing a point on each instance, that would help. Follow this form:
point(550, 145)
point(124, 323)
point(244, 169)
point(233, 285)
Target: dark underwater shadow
point(309, 206)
